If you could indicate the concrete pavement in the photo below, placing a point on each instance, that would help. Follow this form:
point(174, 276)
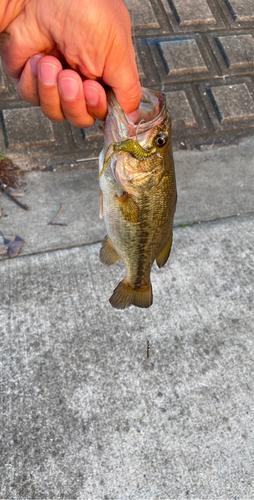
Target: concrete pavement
point(85, 414)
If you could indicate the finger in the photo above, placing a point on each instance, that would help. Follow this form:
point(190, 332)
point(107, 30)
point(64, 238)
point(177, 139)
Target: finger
point(48, 70)
point(126, 85)
point(120, 71)
point(96, 99)
point(27, 84)
point(73, 100)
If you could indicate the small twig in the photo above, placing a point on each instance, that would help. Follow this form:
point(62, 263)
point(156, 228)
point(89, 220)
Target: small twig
point(57, 215)
point(57, 224)
point(18, 195)
point(53, 223)
point(148, 349)
point(21, 205)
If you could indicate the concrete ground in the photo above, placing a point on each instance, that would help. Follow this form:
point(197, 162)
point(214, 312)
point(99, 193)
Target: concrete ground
point(85, 414)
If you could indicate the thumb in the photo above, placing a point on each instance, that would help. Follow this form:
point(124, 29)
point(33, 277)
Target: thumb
point(121, 75)
point(129, 97)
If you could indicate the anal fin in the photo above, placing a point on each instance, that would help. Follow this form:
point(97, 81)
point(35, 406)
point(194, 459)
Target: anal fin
point(128, 207)
point(163, 256)
point(108, 253)
point(125, 295)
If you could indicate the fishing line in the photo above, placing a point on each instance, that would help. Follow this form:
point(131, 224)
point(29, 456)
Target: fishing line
point(141, 121)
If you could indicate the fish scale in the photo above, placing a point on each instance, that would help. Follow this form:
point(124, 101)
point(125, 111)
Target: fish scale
point(139, 196)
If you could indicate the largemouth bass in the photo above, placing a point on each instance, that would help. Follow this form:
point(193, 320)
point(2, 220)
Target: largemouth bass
point(138, 194)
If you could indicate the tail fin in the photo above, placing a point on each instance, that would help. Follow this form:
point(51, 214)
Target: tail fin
point(125, 295)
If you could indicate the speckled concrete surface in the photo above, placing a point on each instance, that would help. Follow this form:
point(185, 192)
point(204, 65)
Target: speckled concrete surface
point(85, 415)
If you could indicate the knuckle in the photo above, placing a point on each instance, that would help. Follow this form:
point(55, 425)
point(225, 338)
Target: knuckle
point(77, 115)
point(53, 116)
point(30, 97)
point(84, 122)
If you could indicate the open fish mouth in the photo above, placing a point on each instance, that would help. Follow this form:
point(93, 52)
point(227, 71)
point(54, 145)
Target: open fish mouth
point(152, 106)
point(151, 113)
point(124, 135)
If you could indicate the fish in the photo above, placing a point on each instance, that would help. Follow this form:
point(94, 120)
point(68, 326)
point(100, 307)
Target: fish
point(137, 194)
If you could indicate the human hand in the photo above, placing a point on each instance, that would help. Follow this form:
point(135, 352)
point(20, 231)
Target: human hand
point(42, 38)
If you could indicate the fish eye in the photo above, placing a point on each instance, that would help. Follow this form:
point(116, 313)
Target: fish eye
point(161, 139)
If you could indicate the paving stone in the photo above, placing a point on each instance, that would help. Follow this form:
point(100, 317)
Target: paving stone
point(2, 141)
point(86, 134)
point(233, 50)
point(142, 14)
point(232, 102)
point(26, 126)
point(241, 10)
point(148, 73)
point(138, 63)
point(181, 56)
point(180, 110)
point(237, 50)
point(2, 82)
point(94, 132)
point(192, 12)
point(190, 15)
point(78, 136)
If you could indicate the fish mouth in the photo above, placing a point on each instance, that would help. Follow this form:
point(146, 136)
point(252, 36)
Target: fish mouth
point(150, 113)
point(152, 107)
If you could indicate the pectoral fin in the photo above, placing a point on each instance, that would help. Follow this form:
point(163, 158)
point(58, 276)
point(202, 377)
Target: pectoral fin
point(108, 253)
point(128, 207)
point(163, 256)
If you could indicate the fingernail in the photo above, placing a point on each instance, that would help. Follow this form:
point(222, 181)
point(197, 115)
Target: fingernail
point(34, 62)
point(69, 88)
point(91, 96)
point(48, 73)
